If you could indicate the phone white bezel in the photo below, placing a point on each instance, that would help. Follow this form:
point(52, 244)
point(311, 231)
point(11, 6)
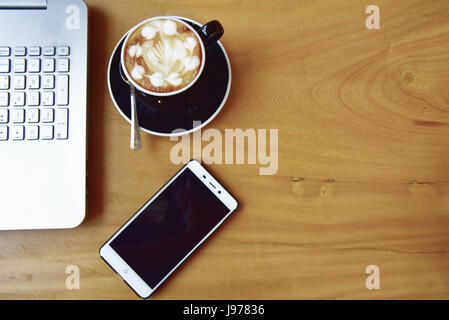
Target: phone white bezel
point(114, 260)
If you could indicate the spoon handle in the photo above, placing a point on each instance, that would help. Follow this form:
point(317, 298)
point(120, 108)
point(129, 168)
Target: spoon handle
point(135, 143)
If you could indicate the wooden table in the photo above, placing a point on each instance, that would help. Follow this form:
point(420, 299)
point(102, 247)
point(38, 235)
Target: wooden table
point(363, 175)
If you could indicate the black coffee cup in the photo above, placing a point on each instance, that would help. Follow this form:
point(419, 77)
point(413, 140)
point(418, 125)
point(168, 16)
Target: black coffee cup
point(207, 35)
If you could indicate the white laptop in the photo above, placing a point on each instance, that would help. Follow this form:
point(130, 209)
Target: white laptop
point(43, 77)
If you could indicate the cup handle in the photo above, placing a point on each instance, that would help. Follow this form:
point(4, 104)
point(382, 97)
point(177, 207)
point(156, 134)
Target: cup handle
point(210, 33)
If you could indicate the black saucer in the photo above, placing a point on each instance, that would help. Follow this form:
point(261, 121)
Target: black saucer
point(162, 115)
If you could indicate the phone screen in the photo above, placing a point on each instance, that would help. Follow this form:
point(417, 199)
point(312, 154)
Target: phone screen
point(169, 228)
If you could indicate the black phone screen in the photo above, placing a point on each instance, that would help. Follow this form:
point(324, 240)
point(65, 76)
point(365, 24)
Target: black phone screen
point(169, 228)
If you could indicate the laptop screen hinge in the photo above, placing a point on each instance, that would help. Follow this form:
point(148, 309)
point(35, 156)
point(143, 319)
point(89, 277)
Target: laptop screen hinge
point(23, 4)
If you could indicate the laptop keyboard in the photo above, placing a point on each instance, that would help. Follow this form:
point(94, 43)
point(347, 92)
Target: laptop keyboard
point(34, 93)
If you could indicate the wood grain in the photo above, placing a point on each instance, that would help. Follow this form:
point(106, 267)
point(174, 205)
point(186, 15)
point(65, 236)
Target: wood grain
point(363, 177)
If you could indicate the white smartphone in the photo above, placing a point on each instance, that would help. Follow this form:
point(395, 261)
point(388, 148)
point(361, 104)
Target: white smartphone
point(168, 228)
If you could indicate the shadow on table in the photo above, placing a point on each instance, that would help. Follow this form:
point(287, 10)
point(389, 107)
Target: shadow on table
point(97, 91)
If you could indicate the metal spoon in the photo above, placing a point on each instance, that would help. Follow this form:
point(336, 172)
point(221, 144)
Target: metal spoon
point(135, 143)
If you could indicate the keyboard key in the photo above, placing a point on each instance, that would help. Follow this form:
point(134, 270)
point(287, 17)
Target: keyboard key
point(63, 65)
point(19, 65)
point(4, 65)
point(4, 82)
point(5, 51)
point(18, 115)
point(61, 131)
point(18, 98)
point(20, 51)
point(48, 98)
point(48, 81)
point(4, 99)
point(4, 115)
point(32, 115)
point(62, 51)
point(35, 51)
point(33, 98)
point(61, 119)
point(3, 133)
point(48, 65)
point(32, 132)
point(47, 115)
point(18, 132)
point(48, 51)
point(62, 116)
point(18, 82)
point(62, 90)
point(47, 132)
point(34, 82)
point(34, 65)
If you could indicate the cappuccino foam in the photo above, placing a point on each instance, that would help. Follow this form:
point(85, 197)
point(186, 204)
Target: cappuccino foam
point(163, 55)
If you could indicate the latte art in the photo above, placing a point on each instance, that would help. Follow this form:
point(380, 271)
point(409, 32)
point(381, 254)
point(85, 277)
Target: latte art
point(163, 55)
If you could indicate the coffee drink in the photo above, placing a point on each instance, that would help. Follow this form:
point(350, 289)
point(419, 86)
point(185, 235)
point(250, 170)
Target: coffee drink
point(163, 55)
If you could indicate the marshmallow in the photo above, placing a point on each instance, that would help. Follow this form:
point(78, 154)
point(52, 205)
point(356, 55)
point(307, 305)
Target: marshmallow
point(190, 43)
point(169, 27)
point(180, 50)
point(135, 50)
point(174, 79)
point(157, 24)
point(137, 72)
point(157, 79)
point(148, 32)
point(191, 63)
